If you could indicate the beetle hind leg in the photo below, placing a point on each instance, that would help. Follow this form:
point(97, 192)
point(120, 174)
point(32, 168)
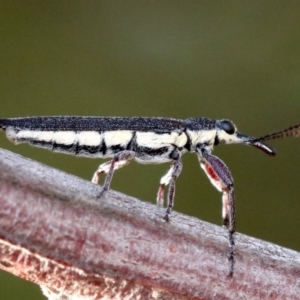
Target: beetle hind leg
point(169, 179)
point(120, 160)
point(164, 181)
point(105, 167)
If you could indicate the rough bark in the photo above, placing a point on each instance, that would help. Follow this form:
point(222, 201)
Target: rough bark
point(57, 232)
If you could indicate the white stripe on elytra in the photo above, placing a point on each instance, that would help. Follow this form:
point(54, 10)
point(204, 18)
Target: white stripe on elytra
point(65, 137)
point(155, 140)
point(45, 136)
point(89, 138)
point(58, 137)
point(94, 138)
point(116, 137)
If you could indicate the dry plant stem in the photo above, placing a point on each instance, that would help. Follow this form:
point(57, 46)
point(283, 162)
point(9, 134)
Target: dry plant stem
point(55, 232)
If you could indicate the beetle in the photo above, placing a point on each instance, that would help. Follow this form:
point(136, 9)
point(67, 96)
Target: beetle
point(149, 141)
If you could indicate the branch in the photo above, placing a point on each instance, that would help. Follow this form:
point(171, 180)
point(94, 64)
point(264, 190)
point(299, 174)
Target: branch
point(54, 231)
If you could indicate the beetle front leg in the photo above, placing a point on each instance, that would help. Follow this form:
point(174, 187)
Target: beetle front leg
point(221, 178)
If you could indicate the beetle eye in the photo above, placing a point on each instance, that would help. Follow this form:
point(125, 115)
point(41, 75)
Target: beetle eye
point(227, 126)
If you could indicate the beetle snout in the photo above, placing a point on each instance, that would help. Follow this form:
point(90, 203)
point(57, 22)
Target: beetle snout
point(257, 143)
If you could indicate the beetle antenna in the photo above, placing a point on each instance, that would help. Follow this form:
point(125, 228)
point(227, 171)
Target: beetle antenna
point(293, 131)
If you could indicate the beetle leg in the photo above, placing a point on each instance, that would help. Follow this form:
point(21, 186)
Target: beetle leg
point(169, 178)
point(164, 181)
point(104, 168)
point(221, 178)
point(119, 160)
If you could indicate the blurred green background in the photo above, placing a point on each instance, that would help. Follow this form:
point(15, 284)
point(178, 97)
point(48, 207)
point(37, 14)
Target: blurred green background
point(238, 60)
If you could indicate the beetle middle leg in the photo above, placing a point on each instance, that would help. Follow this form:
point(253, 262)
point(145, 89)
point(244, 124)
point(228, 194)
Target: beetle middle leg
point(169, 179)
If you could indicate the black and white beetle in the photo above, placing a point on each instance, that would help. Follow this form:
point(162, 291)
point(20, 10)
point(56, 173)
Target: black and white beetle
point(147, 140)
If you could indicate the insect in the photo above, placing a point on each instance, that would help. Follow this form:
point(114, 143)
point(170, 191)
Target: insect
point(148, 141)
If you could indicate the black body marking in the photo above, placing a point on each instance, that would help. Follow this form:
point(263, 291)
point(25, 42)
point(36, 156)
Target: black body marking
point(152, 152)
point(200, 123)
point(132, 144)
point(64, 123)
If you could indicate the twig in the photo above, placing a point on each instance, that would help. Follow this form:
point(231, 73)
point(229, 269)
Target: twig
point(55, 232)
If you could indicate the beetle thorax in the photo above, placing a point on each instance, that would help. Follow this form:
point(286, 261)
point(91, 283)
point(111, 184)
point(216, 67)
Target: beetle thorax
point(206, 137)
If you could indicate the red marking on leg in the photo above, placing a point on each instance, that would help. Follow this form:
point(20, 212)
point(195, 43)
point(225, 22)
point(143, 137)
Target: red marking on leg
point(210, 171)
point(213, 177)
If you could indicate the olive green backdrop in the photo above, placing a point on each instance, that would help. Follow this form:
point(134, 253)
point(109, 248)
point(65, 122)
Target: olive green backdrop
point(220, 59)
